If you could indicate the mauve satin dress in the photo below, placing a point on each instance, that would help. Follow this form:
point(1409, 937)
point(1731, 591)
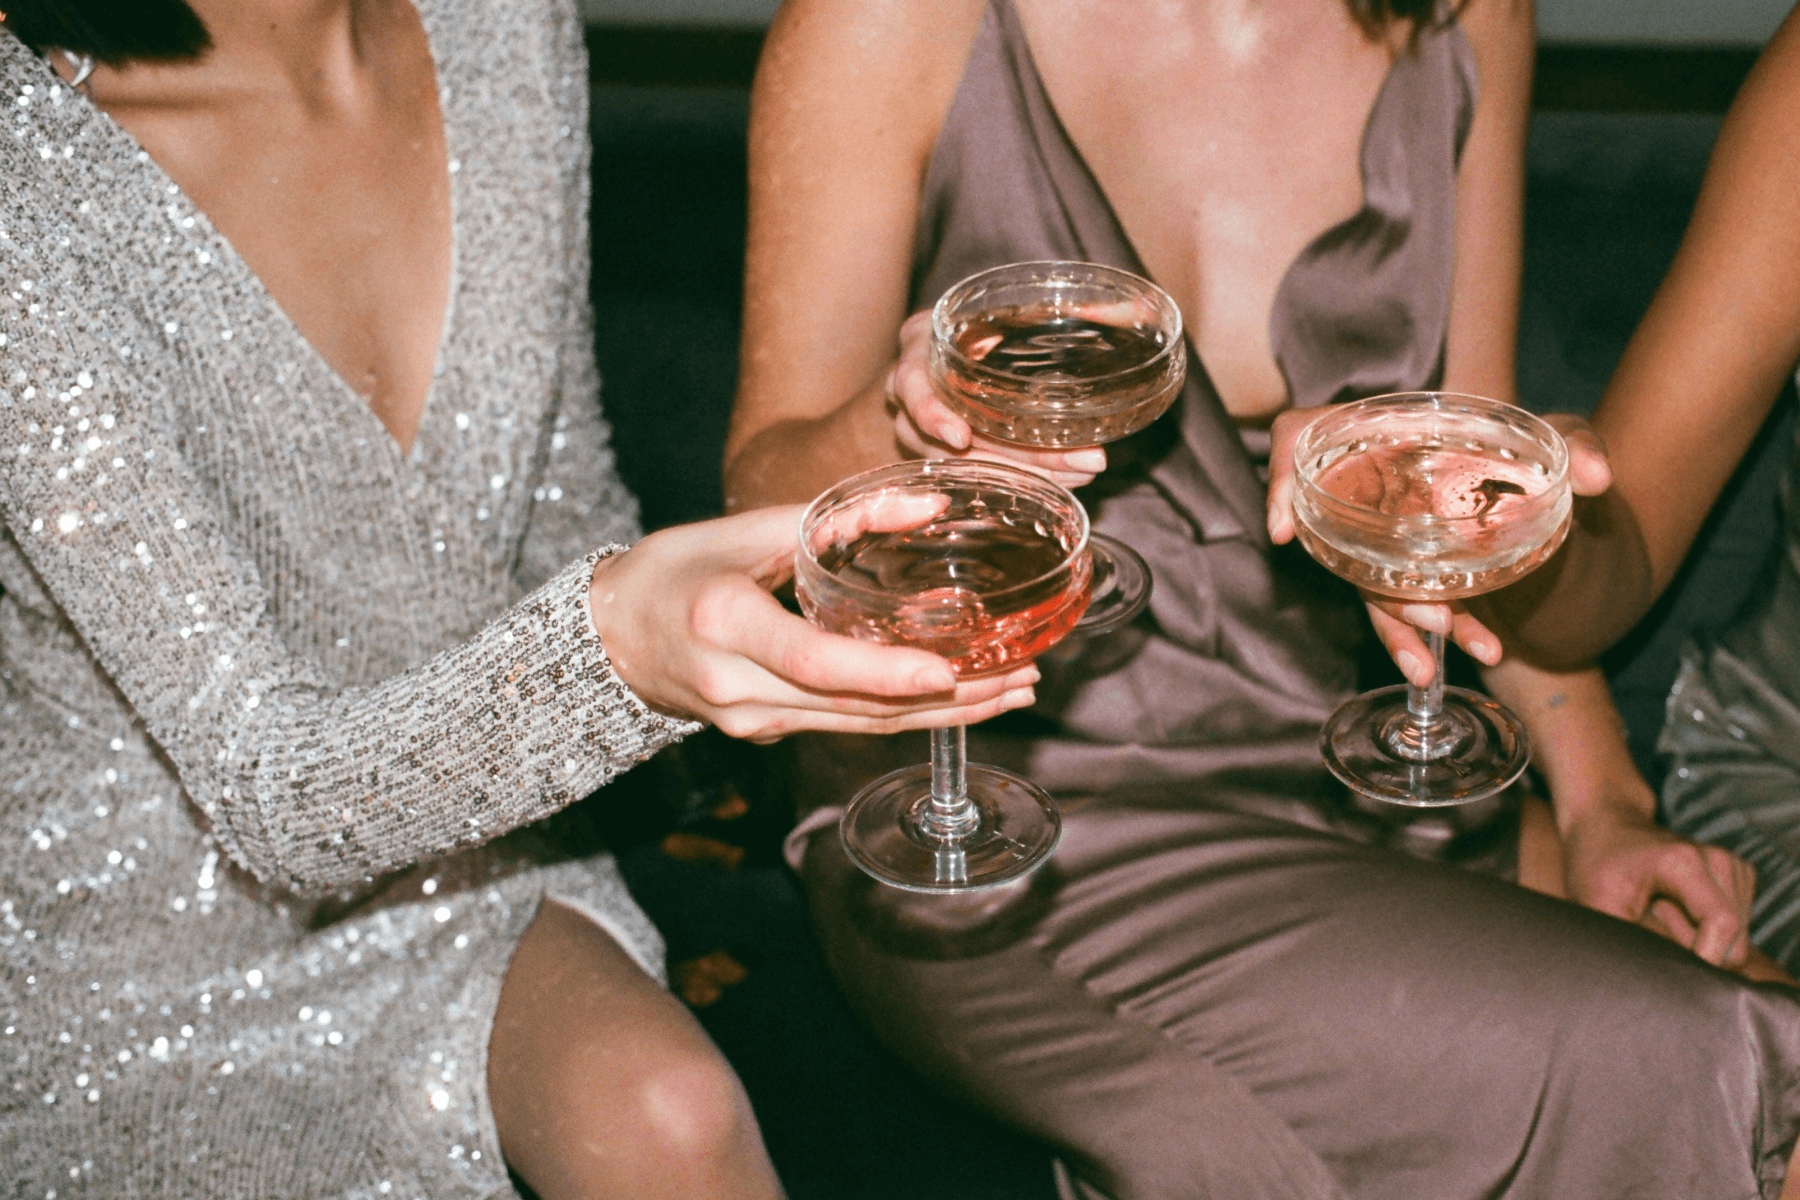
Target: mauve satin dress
point(1230, 983)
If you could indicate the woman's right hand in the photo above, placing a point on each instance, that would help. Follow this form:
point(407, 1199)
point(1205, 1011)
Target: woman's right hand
point(1396, 623)
point(687, 618)
point(927, 427)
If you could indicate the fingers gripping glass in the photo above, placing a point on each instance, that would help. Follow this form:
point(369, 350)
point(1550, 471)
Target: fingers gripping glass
point(988, 566)
point(1060, 356)
point(1428, 497)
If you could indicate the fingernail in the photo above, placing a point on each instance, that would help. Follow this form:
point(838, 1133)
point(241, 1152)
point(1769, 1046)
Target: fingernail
point(1487, 652)
point(1090, 462)
point(934, 679)
point(1018, 698)
point(1409, 666)
point(1024, 677)
point(1428, 617)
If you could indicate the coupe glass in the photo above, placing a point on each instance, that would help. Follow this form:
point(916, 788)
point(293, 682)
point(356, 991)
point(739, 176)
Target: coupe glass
point(988, 566)
point(1057, 356)
point(1428, 497)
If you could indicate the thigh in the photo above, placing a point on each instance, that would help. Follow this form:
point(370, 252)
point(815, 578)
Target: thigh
point(960, 989)
point(1414, 1029)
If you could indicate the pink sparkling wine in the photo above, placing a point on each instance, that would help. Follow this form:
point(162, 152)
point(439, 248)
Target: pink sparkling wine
point(955, 588)
point(1037, 375)
point(1482, 526)
point(1418, 481)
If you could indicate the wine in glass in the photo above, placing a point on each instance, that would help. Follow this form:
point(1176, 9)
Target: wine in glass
point(1057, 356)
point(988, 566)
point(1429, 497)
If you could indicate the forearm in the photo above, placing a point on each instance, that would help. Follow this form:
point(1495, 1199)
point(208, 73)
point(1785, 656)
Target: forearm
point(1577, 740)
point(1616, 858)
point(1586, 597)
point(791, 461)
point(1694, 385)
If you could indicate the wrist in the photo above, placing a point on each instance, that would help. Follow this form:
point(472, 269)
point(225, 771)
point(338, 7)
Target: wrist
point(1614, 802)
point(605, 603)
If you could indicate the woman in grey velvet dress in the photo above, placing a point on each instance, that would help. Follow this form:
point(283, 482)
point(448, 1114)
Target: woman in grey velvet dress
point(272, 680)
point(1223, 985)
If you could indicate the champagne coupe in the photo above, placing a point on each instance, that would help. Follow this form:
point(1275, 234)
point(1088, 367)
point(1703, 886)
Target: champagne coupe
point(988, 566)
point(1061, 355)
point(1428, 497)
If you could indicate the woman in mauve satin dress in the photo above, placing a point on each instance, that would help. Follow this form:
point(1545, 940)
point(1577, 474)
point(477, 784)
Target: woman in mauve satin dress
point(1230, 981)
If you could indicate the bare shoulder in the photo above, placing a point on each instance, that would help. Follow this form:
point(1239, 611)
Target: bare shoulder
point(1501, 32)
point(863, 67)
point(1772, 85)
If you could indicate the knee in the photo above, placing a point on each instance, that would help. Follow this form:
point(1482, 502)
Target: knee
point(686, 1106)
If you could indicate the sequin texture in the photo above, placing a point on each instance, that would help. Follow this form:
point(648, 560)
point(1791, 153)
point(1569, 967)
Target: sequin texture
point(256, 663)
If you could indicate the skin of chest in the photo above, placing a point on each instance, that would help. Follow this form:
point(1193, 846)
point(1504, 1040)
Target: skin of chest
point(329, 177)
point(1227, 135)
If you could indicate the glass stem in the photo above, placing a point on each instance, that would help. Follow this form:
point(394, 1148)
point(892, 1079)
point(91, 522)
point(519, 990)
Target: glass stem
point(1424, 734)
point(1425, 703)
point(950, 815)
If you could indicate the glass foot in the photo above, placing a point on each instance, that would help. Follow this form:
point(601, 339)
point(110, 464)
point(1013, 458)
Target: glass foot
point(1473, 749)
point(1016, 828)
point(1121, 586)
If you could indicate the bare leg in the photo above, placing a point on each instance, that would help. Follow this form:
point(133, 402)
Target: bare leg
point(1540, 849)
point(604, 1086)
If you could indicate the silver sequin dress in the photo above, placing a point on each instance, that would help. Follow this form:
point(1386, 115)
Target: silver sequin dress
point(251, 655)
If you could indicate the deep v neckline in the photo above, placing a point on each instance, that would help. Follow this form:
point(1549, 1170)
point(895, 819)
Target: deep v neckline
point(1315, 247)
point(359, 412)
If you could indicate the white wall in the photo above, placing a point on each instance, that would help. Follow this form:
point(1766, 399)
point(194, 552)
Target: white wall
point(1695, 22)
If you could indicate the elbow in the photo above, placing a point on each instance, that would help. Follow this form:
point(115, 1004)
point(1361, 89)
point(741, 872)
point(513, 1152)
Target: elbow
point(765, 470)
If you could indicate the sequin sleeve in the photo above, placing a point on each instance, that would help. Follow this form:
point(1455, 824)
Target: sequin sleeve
point(309, 787)
point(128, 459)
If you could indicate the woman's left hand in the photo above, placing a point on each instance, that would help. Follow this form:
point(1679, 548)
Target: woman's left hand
point(1397, 624)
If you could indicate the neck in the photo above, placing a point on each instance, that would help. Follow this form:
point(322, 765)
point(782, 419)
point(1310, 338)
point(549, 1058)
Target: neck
point(305, 42)
point(312, 49)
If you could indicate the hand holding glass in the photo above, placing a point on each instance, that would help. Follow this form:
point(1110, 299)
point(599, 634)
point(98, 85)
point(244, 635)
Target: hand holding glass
point(988, 566)
point(1058, 356)
point(1429, 497)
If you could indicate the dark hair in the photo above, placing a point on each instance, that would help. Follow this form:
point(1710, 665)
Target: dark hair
point(1376, 15)
point(112, 31)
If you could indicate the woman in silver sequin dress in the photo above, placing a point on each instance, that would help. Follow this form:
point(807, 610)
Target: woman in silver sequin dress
point(304, 485)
